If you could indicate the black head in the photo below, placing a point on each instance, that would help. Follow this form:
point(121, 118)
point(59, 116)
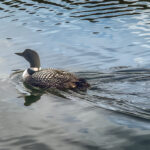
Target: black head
point(31, 56)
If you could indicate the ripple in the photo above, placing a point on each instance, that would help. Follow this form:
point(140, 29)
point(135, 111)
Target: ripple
point(119, 92)
point(93, 9)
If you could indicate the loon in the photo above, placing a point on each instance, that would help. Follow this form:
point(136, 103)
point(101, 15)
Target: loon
point(48, 78)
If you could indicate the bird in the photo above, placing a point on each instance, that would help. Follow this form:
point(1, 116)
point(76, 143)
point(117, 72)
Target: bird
point(49, 78)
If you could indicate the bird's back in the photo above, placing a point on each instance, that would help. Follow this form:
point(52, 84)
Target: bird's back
point(52, 78)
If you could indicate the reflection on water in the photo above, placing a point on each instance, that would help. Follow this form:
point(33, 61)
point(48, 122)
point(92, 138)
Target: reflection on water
point(31, 99)
point(103, 41)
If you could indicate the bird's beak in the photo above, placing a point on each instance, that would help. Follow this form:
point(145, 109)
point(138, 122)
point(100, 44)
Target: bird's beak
point(20, 54)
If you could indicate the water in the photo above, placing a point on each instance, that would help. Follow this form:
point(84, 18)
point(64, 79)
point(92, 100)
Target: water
point(106, 42)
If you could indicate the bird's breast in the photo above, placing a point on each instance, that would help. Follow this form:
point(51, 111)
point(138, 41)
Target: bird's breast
point(25, 75)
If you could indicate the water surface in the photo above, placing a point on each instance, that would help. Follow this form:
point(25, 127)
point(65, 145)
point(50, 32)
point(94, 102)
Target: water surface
point(106, 42)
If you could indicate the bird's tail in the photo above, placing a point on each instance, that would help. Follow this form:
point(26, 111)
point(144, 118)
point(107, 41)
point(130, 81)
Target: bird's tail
point(82, 83)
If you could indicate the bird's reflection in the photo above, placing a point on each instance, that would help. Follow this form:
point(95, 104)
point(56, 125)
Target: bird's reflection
point(35, 94)
point(31, 99)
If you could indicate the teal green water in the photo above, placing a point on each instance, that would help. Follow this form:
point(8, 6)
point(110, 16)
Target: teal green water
point(106, 42)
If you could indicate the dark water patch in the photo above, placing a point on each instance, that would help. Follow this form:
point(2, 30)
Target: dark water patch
point(131, 136)
point(83, 145)
point(16, 138)
point(25, 142)
point(52, 3)
point(37, 146)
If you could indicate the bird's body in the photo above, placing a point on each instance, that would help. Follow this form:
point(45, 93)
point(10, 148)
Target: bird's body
point(51, 78)
point(48, 78)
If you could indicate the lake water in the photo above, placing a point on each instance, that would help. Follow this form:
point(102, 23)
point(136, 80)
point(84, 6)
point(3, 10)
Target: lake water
point(105, 41)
